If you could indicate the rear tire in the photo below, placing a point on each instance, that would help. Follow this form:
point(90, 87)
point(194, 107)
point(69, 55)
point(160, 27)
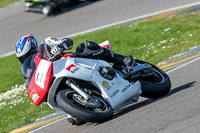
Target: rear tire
point(155, 89)
point(47, 10)
point(66, 101)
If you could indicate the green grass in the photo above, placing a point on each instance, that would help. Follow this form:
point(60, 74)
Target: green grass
point(145, 40)
point(153, 41)
point(4, 3)
point(10, 73)
point(20, 111)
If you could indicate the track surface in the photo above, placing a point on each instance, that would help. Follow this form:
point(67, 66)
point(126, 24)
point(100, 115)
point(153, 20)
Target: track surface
point(178, 112)
point(14, 22)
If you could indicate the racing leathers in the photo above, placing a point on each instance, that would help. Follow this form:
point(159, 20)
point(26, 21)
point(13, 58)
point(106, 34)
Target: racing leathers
point(52, 49)
point(92, 50)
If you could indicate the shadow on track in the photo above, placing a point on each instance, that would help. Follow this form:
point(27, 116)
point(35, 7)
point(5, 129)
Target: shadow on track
point(134, 106)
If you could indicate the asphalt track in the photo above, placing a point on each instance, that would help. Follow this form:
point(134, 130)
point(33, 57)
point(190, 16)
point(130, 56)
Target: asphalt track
point(14, 22)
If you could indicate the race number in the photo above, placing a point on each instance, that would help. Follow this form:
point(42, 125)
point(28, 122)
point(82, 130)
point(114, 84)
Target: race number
point(41, 72)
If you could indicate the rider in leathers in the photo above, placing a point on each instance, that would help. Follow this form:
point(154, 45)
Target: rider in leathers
point(53, 49)
point(87, 49)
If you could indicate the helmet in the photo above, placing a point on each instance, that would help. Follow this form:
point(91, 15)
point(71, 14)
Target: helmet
point(25, 47)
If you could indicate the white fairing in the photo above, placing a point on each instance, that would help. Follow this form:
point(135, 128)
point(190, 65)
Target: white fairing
point(42, 72)
point(74, 68)
point(115, 91)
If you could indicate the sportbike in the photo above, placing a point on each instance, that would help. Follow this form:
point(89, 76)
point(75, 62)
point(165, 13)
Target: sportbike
point(91, 89)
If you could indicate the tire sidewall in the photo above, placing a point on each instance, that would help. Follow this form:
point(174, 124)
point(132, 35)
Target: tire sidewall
point(155, 90)
point(66, 105)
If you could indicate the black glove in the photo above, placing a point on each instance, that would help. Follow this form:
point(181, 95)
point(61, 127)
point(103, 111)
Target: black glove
point(128, 60)
point(66, 44)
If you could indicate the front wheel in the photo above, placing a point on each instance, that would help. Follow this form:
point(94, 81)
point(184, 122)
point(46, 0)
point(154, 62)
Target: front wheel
point(156, 85)
point(94, 110)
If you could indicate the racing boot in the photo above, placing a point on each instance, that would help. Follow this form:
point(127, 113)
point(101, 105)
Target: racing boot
point(75, 121)
point(110, 56)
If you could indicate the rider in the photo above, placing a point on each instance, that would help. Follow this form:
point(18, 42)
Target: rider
point(53, 49)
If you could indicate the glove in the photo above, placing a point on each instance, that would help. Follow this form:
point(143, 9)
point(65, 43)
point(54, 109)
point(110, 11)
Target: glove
point(65, 44)
point(58, 43)
point(128, 60)
point(57, 49)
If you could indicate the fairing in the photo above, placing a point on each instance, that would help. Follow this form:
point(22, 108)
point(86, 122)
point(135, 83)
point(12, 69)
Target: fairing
point(87, 69)
point(40, 81)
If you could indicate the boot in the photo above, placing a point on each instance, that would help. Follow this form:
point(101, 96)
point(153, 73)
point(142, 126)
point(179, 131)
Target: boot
point(75, 121)
point(110, 56)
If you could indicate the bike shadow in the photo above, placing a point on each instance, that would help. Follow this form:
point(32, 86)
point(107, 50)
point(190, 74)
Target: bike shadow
point(134, 106)
point(145, 102)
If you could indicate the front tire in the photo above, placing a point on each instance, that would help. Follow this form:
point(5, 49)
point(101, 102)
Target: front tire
point(70, 102)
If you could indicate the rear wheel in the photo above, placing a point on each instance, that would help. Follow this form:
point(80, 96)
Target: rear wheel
point(156, 85)
point(47, 10)
point(94, 110)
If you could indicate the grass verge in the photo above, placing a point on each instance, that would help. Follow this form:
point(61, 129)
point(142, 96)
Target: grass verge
point(153, 41)
point(4, 3)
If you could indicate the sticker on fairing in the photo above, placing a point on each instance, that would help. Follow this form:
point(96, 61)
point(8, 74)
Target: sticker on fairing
point(34, 95)
point(106, 85)
point(41, 73)
point(72, 68)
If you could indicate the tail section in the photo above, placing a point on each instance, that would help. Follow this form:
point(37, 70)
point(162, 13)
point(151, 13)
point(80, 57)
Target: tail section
point(106, 44)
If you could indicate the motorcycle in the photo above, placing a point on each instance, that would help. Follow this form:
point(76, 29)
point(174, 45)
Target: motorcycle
point(47, 7)
point(91, 90)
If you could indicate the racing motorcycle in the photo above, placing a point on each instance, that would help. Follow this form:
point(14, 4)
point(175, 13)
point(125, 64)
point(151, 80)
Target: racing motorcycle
point(47, 7)
point(91, 90)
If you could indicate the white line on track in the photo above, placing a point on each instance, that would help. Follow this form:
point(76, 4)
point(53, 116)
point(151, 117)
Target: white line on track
point(134, 19)
point(183, 65)
point(47, 125)
point(122, 22)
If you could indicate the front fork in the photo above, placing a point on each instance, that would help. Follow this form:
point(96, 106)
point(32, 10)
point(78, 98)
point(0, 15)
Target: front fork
point(77, 89)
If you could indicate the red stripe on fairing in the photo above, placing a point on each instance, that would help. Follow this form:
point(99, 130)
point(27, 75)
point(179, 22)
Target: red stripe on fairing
point(105, 46)
point(34, 88)
point(66, 56)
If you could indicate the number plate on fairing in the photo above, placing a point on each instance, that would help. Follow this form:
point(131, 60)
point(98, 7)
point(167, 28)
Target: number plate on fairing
point(41, 73)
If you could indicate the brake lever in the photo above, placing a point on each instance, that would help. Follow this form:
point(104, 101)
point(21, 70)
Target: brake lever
point(129, 69)
point(131, 66)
